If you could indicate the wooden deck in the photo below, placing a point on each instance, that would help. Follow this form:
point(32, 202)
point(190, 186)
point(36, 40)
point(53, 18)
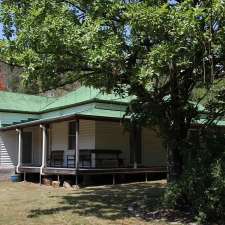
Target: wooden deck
point(91, 171)
point(29, 169)
point(59, 171)
point(121, 171)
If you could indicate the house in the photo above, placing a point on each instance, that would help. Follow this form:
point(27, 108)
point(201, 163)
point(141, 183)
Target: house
point(78, 134)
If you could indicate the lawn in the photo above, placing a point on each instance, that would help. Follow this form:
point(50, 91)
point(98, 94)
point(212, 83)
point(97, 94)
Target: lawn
point(129, 204)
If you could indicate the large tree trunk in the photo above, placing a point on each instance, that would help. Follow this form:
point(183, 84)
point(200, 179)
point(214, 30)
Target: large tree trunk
point(176, 141)
point(174, 162)
point(175, 133)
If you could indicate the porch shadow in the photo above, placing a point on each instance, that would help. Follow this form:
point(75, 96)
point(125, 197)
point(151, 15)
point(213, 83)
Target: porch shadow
point(113, 203)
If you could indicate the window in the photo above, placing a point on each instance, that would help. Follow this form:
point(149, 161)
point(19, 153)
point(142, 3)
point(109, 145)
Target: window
point(72, 135)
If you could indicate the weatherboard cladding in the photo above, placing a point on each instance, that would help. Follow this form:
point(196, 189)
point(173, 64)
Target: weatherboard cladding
point(8, 144)
point(25, 109)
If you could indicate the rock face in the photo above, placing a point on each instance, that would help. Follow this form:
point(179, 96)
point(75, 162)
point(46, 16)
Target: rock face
point(10, 77)
point(61, 91)
point(10, 80)
point(2, 81)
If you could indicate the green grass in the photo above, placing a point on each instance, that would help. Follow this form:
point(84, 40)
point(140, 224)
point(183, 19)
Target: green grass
point(31, 204)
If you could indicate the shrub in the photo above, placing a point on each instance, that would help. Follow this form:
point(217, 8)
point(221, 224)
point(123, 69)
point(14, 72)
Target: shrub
point(202, 185)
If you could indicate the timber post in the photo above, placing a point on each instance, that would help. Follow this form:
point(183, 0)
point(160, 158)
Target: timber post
point(44, 149)
point(77, 145)
point(24, 177)
point(146, 177)
point(77, 157)
point(20, 146)
point(114, 179)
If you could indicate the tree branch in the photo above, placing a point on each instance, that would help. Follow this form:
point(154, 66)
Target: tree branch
point(73, 4)
point(11, 64)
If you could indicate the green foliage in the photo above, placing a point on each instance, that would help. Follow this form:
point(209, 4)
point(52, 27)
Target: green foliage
point(171, 57)
point(109, 43)
point(202, 186)
point(160, 52)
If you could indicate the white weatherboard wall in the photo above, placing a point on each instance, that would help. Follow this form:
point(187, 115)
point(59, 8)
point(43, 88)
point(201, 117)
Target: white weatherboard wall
point(111, 135)
point(153, 153)
point(8, 148)
point(59, 135)
point(87, 134)
point(93, 135)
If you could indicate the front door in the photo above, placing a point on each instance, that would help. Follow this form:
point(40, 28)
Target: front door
point(27, 148)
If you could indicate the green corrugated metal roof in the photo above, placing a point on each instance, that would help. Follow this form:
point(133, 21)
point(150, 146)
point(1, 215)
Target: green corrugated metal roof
point(10, 101)
point(84, 94)
point(83, 101)
point(37, 104)
point(91, 112)
point(100, 106)
point(62, 106)
point(215, 122)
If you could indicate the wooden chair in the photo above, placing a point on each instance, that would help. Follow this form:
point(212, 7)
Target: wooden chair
point(57, 158)
point(71, 161)
point(85, 159)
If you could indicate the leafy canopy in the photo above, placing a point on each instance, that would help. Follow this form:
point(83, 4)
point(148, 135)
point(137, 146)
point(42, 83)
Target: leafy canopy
point(167, 54)
point(109, 43)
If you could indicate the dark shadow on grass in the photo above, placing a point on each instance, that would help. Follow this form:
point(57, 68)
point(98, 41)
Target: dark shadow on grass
point(112, 202)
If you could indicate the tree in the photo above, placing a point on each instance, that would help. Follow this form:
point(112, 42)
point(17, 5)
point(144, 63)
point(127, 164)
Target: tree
point(161, 52)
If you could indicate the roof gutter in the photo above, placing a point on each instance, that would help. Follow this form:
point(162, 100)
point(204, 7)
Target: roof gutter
point(60, 118)
point(36, 122)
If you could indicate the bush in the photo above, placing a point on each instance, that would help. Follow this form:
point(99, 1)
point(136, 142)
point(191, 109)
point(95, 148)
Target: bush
point(202, 185)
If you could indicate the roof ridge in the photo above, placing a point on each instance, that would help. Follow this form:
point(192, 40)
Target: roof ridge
point(50, 103)
point(91, 90)
point(57, 99)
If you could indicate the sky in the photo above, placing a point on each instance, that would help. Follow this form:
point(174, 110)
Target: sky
point(1, 31)
point(1, 26)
